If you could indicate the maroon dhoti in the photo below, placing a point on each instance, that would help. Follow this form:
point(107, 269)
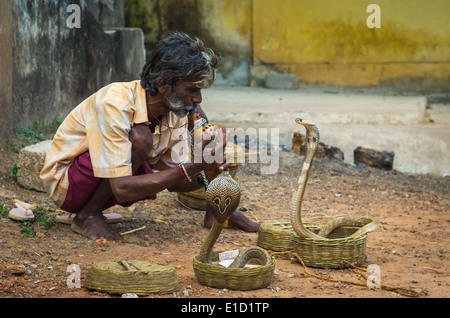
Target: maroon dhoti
point(82, 184)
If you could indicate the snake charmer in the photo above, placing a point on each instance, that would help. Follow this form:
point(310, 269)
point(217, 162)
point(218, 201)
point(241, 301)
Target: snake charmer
point(130, 140)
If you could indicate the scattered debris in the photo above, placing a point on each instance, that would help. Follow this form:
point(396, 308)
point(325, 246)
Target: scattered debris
point(323, 151)
point(373, 158)
point(16, 269)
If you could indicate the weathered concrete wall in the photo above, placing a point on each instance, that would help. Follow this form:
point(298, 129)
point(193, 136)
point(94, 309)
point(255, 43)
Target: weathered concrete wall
point(224, 25)
point(6, 69)
point(47, 68)
point(109, 13)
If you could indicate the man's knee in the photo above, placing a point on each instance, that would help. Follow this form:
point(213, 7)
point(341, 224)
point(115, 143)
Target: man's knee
point(141, 140)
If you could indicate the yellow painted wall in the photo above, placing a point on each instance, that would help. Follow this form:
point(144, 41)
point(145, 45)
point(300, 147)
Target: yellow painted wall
point(328, 41)
point(225, 25)
point(228, 22)
point(324, 42)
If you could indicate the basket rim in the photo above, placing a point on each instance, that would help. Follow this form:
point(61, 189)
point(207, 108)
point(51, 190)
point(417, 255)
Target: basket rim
point(290, 232)
point(332, 240)
point(231, 270)
point(234, 278)
point(167, 269)
point(135, 261)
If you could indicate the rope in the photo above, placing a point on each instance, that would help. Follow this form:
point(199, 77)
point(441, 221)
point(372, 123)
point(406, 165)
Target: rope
point(355, 269)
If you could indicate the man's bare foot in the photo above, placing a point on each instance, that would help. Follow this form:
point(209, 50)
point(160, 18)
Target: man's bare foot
point(94, 226)
point(237, 219)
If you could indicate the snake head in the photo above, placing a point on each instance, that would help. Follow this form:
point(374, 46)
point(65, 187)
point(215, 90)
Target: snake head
point(313, 132)
point(222, 197)
point(304, 122)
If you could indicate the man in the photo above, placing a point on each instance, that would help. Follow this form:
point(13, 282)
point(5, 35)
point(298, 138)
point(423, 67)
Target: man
point(105, 150)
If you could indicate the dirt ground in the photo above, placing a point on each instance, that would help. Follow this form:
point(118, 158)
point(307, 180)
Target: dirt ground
point(411, 245)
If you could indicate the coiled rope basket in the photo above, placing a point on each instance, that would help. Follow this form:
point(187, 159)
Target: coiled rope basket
point(331, 252)
point(246, 278)
point(132, 277)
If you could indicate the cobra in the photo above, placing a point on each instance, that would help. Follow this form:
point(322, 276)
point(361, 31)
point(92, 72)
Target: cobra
point(312, 141)
point(223, 195)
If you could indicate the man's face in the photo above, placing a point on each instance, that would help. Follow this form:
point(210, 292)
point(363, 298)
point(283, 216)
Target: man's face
point(184, 98)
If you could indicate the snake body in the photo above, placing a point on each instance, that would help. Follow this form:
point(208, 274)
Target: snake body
point(222, 199)
point(251, 255)
point(312, 141)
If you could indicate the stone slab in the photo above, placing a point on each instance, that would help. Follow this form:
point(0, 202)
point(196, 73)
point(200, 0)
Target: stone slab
point(30, 163)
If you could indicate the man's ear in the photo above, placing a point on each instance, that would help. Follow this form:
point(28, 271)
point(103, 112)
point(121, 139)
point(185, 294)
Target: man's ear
point(163, 85)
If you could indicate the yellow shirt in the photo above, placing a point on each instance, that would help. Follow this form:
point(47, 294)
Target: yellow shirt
point(101, 124)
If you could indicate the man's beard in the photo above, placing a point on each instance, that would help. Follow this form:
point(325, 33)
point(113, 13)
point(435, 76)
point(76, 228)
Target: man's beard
point(178, 106)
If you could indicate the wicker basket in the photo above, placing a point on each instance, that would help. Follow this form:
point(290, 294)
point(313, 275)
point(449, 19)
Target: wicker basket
point(136, 277)
point(333, 251)
point(194, 199)
point(245, 278)
point(278, 235)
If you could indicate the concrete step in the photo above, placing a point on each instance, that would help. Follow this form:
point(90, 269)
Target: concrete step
point(346, 121)
point(244, 104)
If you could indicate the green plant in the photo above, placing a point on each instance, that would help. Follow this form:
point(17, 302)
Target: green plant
point(40, 127)
point(42, 219)
point(3, 210)
point(27, 228)
point(26, 136)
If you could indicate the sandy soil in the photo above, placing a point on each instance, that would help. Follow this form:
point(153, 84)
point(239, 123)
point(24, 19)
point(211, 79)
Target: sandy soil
point(411, 245)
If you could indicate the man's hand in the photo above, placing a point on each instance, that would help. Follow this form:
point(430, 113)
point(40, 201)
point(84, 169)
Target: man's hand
point(209, 154)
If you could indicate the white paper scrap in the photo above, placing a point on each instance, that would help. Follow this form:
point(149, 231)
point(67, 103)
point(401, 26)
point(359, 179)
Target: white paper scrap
point(226, 262)
point(227, 258)
point(228, 255)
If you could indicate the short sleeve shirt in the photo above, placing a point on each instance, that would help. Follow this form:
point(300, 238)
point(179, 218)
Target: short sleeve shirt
point(101, 125)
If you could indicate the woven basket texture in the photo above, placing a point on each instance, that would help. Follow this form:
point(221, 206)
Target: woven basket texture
point(331, 252)
point(334, 251)
point(278, 235)
point(245, 278)
point(114, 278)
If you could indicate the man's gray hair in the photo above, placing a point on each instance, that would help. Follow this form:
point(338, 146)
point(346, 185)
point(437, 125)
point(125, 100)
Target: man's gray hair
point(179, 57)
